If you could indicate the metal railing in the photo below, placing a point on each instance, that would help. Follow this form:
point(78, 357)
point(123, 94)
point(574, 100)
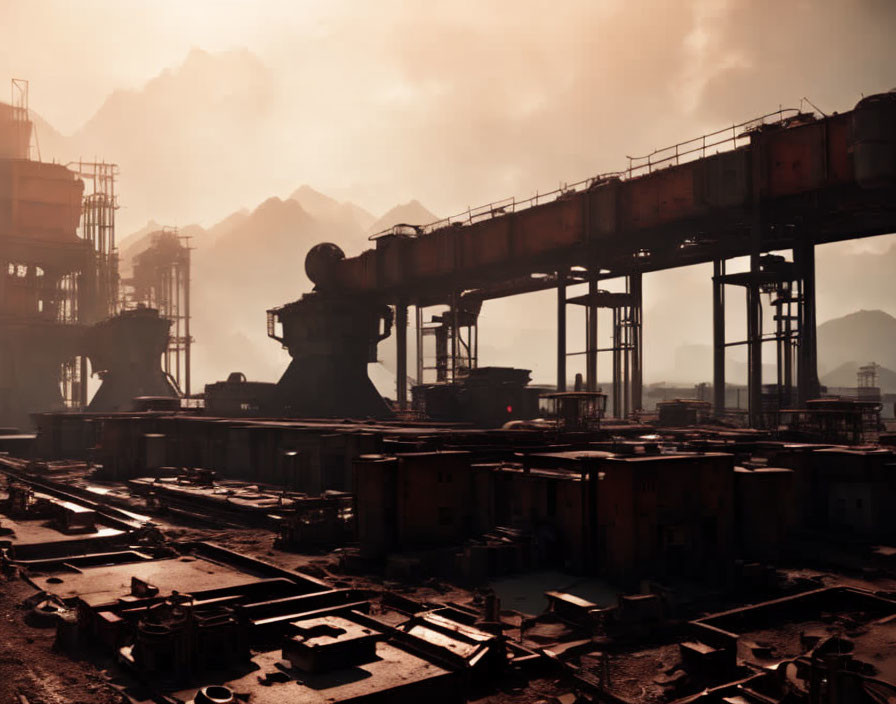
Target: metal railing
point(726, 139)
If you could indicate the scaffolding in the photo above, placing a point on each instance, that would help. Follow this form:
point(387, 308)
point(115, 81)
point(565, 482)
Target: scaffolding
point(61, 273)
point(92, 295)
point(626, 350)
point(867, 388)
point(161, 280)
point(456, 341)
point(20, 120)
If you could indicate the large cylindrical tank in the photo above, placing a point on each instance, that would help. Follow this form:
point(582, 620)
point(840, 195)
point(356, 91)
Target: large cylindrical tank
point(873, 140)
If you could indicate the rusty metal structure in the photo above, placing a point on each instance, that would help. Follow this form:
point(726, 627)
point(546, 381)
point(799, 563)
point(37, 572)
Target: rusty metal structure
point(99, 284)
point(54, 280)
point(124, 351)
point(867, 388)
point(331, 339)
point(161, 280)
point(786, 181)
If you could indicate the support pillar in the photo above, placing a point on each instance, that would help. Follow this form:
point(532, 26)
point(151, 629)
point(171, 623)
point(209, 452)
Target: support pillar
point(754, 303)
point(617, 364)
point(455, 334)
point(401, 355)
point(754, 353)
point(808, 386)
point(561, 331)
point(788, 350)
point(83, 374)
point(418, 314)
point(188, 340)
point(637, 332)
point(718, 337)
point(591, 342)
point(625, 339)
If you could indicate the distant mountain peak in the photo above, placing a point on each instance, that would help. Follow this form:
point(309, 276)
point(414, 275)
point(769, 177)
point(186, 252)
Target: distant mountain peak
point(864, 314)
point(411, 213)
point(846, 375)
point(868, 335)
point(274, 204)
point(327, 209)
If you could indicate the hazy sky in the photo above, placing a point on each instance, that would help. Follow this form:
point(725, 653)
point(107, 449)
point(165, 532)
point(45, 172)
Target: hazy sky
point(452, 103)
point(461, 102)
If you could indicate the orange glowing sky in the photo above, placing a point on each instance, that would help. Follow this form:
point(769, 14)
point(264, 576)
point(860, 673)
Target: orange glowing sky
point(462, 102)
point(218, 105)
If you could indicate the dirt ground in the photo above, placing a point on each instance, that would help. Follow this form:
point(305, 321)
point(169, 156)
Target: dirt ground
point(32, 671)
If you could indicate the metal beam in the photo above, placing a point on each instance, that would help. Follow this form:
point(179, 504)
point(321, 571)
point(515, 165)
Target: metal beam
point(419, 331)
point(637, 334)
point(401, 356)
point(591, 339)
point(808, 386)
point(561, 331)
point(718, 337)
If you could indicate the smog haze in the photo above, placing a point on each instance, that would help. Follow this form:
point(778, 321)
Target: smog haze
point(263, 128)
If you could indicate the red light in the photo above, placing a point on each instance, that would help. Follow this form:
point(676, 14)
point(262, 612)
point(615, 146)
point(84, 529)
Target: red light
point(510, 409)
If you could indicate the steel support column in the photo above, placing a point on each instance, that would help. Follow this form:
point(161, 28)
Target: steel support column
point(617, 363)
point(418, 314)
point(754, 302)
point(591, 340)
point(808, 386)
point(718, 337)
point(455, 333)
point(188, 340)
point(754, 354)
point(82, 392)
point(401, 355)
point(561, 331)
point(637, 333)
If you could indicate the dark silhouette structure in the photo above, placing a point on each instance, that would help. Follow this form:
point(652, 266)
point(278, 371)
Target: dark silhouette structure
point(786, 181)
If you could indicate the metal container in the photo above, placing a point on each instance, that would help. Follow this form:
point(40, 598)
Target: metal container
point(873, 140)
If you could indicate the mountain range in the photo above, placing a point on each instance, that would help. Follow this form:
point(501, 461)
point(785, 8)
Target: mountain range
point(195, 143)
point(195, 136)
point(251, 261)
point(845, 376)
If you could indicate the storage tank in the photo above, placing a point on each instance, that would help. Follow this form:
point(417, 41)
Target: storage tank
point(873, 140)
